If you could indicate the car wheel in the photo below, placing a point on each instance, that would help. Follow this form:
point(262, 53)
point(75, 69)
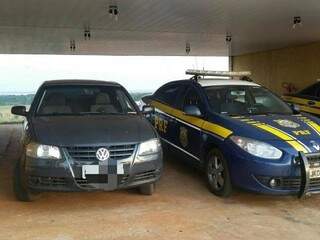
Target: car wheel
point(147, 189)
point(217, 174)
point(20, 188)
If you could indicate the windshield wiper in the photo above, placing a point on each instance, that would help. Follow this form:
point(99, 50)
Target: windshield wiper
point(54, 114)
point(104, 113)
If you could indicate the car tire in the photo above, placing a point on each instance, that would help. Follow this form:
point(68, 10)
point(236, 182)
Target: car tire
point(147, 189)
point(217, 174)
point(20, 188)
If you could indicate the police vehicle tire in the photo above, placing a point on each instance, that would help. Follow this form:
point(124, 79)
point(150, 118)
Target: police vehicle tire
point(20, 188)
point(147, 189)
point(217, 174)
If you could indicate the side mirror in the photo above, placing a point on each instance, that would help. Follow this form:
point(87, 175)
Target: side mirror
point(192, 110)
point(19, 110)
point(295, 108)
point(146, 99)
point(147, 109)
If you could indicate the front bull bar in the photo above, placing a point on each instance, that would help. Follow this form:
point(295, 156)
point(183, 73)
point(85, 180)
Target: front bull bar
point(305, 175)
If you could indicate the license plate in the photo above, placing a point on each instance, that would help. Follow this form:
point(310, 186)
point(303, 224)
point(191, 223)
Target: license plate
point(89, 170)
point(97, 178)
point(315, 172)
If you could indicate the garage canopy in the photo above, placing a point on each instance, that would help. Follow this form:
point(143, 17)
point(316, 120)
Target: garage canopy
point(155, 27)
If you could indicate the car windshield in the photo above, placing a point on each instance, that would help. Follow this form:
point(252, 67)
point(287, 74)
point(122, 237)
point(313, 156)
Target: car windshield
point(83, 100)
point(245, 100)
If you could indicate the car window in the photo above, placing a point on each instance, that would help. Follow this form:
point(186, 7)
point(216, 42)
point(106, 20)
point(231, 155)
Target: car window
point(240, 100)
point(70, 100)
point(168, 94)
point(193, 98)
point(312, 90)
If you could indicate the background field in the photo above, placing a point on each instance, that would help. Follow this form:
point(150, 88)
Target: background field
point(7, 117)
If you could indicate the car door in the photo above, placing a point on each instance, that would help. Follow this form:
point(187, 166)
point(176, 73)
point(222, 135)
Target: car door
point(188, 133)
point(162, 119)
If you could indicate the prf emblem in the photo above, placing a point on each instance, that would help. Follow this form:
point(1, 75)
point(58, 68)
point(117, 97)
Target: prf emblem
point(160, 124)
point(302, 132)
point(183, 136)
point(287, 123)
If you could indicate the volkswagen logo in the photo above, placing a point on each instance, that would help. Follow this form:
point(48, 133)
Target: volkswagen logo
point(102, 154)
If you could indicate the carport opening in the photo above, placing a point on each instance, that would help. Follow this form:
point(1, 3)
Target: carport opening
point(140, 75)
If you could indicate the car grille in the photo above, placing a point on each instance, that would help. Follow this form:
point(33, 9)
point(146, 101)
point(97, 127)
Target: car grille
point(117, 152)
point(144, 176)
point(124, 179)
point(47, 181)
point(313, 160)
point(294, 183)
point(84, 183)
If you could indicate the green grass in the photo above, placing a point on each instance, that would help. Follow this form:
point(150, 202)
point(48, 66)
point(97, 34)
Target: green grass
point(7, 117)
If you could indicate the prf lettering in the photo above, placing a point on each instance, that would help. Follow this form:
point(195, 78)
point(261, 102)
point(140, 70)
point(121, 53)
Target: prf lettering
point(160, 124)
point(301, 132)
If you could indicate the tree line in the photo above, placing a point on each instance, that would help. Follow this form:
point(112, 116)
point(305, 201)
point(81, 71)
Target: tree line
point(26, 99)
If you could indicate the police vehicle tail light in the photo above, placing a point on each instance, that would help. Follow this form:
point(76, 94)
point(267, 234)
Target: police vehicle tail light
point(150, 147)
point(257, 148)
point(35, 150)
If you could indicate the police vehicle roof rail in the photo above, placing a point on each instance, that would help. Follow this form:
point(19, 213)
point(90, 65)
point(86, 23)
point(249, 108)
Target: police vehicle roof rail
point(197, 74)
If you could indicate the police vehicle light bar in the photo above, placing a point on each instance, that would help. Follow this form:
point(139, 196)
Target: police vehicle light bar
point(217, 73)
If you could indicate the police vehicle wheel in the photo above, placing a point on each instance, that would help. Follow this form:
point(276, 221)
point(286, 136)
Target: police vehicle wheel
point(217, 174)
point(20, 188)
point(147, 189)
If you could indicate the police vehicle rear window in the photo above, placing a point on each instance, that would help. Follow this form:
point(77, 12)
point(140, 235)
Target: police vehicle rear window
point(241, 100)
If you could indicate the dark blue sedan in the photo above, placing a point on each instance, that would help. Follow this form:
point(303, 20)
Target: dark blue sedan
point(241, 134)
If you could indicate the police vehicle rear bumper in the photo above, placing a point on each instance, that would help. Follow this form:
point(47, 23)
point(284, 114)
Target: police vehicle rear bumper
point(291, 176)
point(66, 175)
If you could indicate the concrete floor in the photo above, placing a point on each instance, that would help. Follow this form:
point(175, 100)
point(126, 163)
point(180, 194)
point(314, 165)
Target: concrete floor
point(181, 208)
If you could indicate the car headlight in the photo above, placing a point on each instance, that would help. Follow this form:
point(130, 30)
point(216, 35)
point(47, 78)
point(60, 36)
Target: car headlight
point(257, 148)
point(35, 150)
point(150, 147)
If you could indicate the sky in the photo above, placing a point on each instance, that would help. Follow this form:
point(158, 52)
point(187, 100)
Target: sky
point(25, 73)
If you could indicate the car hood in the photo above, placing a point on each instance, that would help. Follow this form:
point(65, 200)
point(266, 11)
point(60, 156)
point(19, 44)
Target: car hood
point(300, 132)
point(275, 127)
point(91, 130)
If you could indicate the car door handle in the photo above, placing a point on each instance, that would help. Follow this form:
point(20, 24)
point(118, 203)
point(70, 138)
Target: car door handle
point(311, 103)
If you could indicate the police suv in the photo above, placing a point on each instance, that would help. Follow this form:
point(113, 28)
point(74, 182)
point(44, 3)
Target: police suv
point(241, 134)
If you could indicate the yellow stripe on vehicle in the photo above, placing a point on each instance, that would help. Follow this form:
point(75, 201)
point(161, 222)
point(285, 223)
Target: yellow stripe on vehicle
point(246, 120)
point(195, 121)
point(301, 101)
point(304, 108)
point(238, 117)
point(283, 136)
point(252, 122)
point(216, 129)
point(315, 126)
point(311, 124)
point(303, 104)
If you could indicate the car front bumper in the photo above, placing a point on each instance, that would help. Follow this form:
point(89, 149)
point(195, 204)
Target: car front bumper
point(67, 174)
point(291, 175)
